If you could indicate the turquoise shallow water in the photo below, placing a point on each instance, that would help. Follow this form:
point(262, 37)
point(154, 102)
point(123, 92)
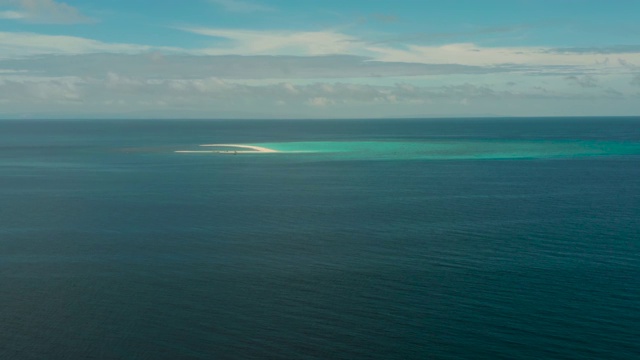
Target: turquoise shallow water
point(387, 239)
point(457, 150)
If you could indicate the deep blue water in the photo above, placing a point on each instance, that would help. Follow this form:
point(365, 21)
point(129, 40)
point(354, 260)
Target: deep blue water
point(383, 239)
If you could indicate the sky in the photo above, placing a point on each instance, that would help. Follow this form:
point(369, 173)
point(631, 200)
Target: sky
point(318, 58)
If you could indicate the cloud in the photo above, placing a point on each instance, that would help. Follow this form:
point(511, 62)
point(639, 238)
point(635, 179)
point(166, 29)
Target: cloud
point(114, 86)
point(114, 94)
point(319, 101)
point(46, 92)
point(301, 72)
point(20, 44)
point(152, 65)
point(12, 15)
point(131, 93)
point(451, 58)
point(329, 42)
point(43, 11)
point(474, 55)
point(241, 6)
point(254, 42)
point(618, 49)
point(585, 81)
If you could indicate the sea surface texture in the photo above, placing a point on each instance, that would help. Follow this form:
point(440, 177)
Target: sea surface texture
point(381, 239)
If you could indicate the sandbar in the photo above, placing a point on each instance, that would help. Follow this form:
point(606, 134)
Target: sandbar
point(251, 149)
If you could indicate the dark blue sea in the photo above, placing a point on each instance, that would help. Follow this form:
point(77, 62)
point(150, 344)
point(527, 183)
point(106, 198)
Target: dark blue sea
point(359, 239)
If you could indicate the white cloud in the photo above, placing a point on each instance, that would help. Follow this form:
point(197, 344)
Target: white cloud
point(12, 15)
point(211, 90)
point(585, 81)
point(249, 69)
point(320, 101)
point(114, 94)
point(43, 11)
point(474, 55)
point(535, 60)
point(241, 6)
point(13, 44)
point(45, 92)
point(361, 59)
point(187, 66)
point(254, 42)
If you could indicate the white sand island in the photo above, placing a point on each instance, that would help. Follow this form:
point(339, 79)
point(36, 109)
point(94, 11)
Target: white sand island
point(251, 149)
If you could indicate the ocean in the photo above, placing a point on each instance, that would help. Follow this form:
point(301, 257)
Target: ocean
point(506, 238)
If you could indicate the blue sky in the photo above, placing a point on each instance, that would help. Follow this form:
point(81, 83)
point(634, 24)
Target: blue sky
point(318, 58)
